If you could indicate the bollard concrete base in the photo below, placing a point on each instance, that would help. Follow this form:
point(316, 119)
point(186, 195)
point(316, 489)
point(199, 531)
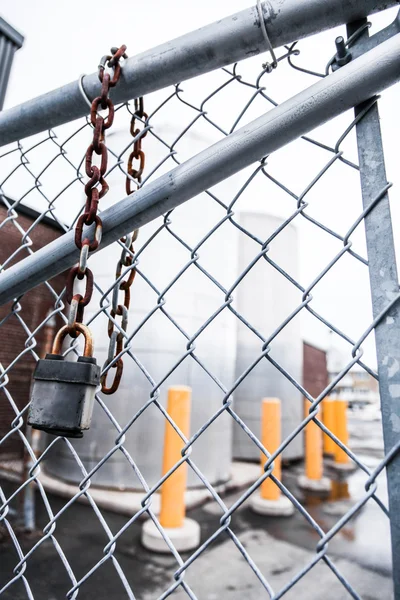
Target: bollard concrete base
point(348, 467)
point(274, 508)
point(184, 538)
point(339, 508)
point(314, 485)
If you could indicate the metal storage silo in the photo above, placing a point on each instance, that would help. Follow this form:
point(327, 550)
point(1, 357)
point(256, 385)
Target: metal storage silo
point(158, 345)
point(266, 298)
point(191, 300)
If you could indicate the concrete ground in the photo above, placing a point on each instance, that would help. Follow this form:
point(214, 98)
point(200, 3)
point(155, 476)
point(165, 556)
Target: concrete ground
point(280, 547)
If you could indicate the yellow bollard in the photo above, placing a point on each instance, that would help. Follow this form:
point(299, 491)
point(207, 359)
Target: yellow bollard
point(313, 479)
point(271, 439)
point(341, 431)
point(339, 490)
point(172, 513)
point(328, 419)
point(184, 533)
point(270, 501)
point(314, 463)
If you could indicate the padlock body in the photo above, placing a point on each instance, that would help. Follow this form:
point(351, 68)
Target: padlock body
point(63, 394)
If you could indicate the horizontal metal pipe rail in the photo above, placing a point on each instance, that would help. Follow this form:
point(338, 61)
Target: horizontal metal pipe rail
point(356, 82)
point(352, 84)
point(224, 42)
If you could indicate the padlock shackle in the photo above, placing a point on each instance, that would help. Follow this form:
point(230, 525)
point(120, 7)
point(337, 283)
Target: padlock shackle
point(58, 340)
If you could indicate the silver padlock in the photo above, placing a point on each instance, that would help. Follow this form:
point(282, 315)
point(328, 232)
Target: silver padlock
point(63, 392)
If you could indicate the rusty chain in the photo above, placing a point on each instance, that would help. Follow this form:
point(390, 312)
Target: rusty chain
point(93, 194)
point(126, 259)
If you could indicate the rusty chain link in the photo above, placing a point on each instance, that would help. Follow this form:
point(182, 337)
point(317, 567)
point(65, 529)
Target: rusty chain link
point(93, 194)
point(126, 259)
point(137, 152)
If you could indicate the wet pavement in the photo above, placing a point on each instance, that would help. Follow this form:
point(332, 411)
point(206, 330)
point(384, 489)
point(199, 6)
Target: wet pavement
point(280, 547)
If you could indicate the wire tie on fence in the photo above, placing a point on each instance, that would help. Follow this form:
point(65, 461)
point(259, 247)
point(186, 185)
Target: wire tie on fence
point(268, 66)
point(82, 90)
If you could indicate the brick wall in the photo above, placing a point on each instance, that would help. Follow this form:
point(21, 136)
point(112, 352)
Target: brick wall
point(35, 305)
point(315, 372)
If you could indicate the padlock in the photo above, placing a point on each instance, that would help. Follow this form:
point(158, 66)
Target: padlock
point(63, 392)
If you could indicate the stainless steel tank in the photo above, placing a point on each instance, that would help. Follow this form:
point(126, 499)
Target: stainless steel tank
point(266, 298)
point(159, 346)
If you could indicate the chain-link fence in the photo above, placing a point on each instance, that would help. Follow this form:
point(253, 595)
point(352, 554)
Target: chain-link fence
point(223, 291)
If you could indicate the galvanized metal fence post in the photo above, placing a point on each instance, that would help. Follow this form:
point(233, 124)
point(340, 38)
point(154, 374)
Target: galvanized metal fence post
point(10, 42)
point(384, 289)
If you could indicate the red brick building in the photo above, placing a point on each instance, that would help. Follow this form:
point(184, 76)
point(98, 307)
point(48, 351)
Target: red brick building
point(315, 369)
point(20, 319)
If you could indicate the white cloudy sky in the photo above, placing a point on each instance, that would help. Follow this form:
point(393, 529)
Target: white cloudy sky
point(66, 39)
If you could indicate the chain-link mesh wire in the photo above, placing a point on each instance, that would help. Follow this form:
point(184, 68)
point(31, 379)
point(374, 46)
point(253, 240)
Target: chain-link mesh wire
point(191, 285)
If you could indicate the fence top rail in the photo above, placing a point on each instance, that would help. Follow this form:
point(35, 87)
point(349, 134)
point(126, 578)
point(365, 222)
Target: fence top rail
point(224, 42)
point(352, 84)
